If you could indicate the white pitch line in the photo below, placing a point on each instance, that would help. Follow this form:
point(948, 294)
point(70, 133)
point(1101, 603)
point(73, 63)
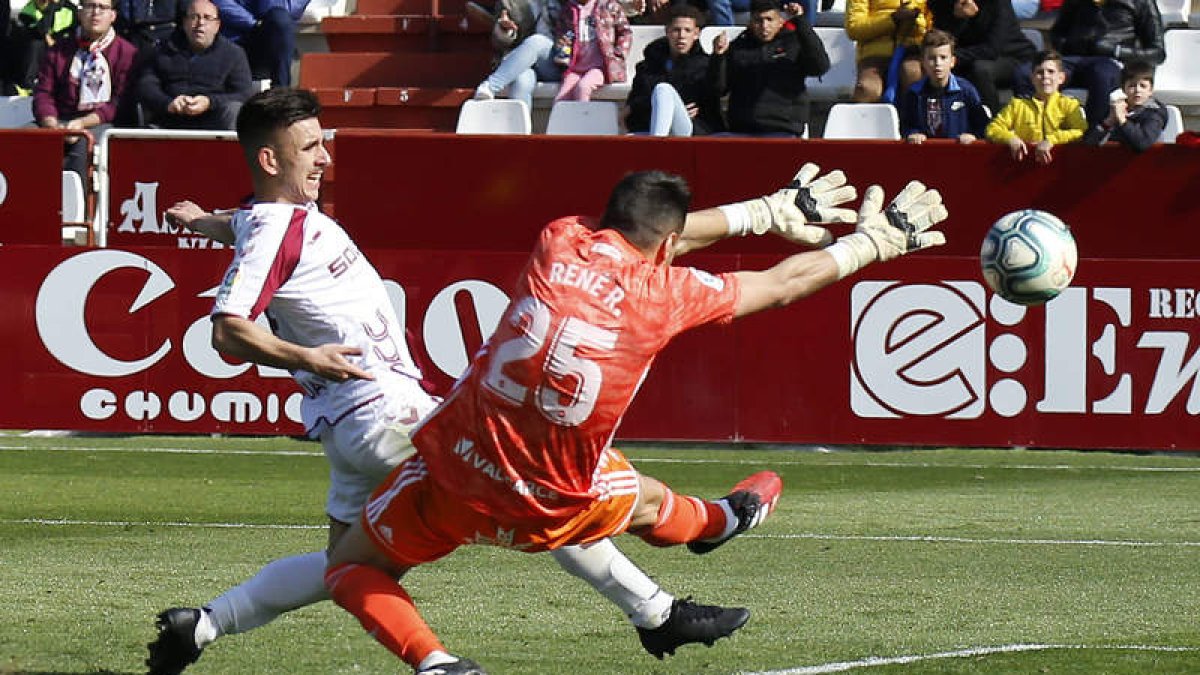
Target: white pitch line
point(930, 539)
point(645, 460)
point(872, 661)
point(148, 523)
point(822, 537)
point(165, 451)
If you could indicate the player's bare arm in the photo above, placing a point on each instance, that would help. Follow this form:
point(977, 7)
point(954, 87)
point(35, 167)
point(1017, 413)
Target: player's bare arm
point(880, 235)
point(792, 212)
point(241, 338)
point(216, 226)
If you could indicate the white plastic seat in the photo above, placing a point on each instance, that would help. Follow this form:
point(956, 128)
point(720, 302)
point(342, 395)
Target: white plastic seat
point(862, 121)
point(1035, 36)
point(73, 200)
point(1177, 80)
point(1174, 125)
point(498, 116)
point(838, 83)
point(584, 118)
point(15, 111)
point(1175, 12)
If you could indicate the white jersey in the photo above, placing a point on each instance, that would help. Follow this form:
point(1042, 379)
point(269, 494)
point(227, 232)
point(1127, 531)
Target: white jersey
point(302, 269)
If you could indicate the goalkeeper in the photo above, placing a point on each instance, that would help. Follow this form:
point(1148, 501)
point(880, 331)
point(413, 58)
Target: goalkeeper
point(518, 454)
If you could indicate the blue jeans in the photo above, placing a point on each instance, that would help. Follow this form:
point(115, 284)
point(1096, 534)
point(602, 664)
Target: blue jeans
point(668, 113)
point(522, 67)
point(720, 12)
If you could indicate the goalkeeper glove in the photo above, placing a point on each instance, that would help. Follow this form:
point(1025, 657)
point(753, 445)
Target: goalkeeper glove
point(789, 211)
point(883, 234)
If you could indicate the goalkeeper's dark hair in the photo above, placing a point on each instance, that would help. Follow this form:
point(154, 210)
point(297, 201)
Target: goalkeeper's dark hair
point(646, 206)
point(265, 113)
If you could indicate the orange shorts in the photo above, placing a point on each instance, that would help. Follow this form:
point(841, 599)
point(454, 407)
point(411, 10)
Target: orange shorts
point(414, 520)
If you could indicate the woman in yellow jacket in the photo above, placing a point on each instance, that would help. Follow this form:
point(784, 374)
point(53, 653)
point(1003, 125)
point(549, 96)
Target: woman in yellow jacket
point(878, 27)
point(1048, 119)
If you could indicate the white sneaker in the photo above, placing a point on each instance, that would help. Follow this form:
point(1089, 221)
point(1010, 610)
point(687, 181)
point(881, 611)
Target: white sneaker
point(483, 92)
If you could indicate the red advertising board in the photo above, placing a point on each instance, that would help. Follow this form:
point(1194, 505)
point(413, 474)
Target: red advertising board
point(147, 175)
point(31, 186)
point(915, 352)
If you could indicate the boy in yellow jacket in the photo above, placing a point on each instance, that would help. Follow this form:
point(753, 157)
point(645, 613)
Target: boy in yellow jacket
point(1048, 119)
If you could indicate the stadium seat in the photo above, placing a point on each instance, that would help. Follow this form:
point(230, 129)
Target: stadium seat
point(1035, 36)
point(1174, 125)
point(584, 118)
point(15, 111)
point(1177, 80)
point(498, 116)
point(74, 205)
point(1175, 12)
point(838, 83)
point(709, 33)
point(862, 121)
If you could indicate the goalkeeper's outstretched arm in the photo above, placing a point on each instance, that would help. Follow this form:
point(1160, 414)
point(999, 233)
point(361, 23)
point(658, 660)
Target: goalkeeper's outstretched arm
point(880, 234)
point(793, 212)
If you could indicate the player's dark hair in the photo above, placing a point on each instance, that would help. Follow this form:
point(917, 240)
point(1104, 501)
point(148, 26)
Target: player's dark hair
point(1135, 71)
point(270, 111)
point(685, 11)
point(646, 206)
point(760, 6)
point(937, 38)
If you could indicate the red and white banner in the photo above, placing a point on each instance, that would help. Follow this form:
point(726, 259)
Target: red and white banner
point(913, 352)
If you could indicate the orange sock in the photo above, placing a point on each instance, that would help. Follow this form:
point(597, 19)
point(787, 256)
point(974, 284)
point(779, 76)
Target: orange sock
point(384, 609)
point(682, 519)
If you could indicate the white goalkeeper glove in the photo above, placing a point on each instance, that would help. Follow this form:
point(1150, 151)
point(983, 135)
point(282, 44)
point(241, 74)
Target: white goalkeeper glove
point(884, 234)
point(789, 211)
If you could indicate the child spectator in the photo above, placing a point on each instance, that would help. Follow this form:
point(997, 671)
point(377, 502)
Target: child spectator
point(674, 91)
point(523, 37)
point(1135, 117)
point(592, 41)
point(988, 43)
point(941, 105)
point(1046, 120)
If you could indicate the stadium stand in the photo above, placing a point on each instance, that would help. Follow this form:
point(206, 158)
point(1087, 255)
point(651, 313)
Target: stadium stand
point(1174, 125)
point(543, 94)
point(497, 116)
point(1177, 80)
point(862, 121)
point(1175, 12)
point(15, 111)
point(584, 118)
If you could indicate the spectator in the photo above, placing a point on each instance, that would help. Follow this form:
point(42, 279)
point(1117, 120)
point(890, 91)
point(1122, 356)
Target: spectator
point(1046, 120)
point(989, 43)
point(146, 23)
point(39, 25)
point(523, 36)
point(888, 35)
point(941, 105)
point(197, 79)
point(82, 80)
point(266, 29)
point(1095, 38)
point(763, 72)
point(592, 41)
point(1135, 118)
point(675, 90)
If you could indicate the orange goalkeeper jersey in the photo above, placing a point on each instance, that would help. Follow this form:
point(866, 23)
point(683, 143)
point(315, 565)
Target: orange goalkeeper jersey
point(523, 431)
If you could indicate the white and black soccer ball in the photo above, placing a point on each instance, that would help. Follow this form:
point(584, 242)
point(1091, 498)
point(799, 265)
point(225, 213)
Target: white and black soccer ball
point(1028, 257)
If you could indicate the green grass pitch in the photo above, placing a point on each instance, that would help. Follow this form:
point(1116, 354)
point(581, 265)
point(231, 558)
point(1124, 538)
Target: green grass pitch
point(923, 561)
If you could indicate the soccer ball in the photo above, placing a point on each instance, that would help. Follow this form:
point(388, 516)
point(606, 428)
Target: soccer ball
point(1028, 257)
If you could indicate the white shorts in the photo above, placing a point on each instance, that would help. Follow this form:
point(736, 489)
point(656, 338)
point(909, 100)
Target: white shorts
point(363, 447)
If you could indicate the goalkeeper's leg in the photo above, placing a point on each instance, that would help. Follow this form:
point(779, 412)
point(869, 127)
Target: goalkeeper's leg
point(663, 518)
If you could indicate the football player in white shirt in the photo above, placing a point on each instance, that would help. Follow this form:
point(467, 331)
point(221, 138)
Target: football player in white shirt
point(336, 331)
